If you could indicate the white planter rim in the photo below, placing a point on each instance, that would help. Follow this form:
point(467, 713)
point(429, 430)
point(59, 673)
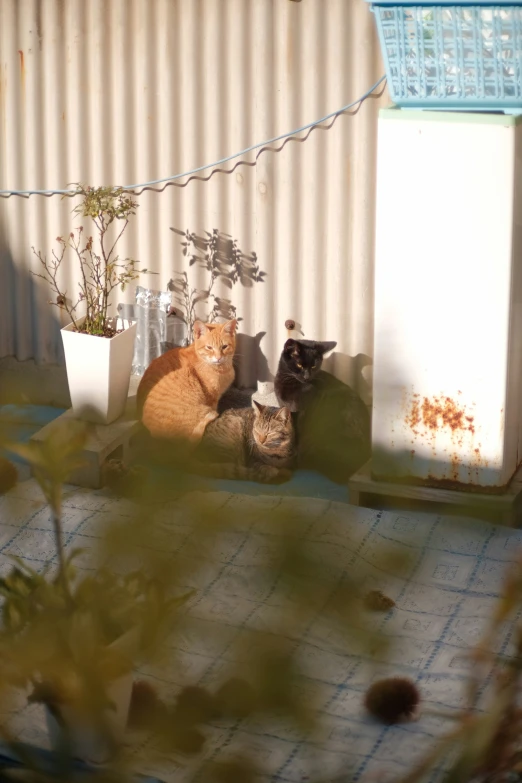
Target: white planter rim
point(70, 328)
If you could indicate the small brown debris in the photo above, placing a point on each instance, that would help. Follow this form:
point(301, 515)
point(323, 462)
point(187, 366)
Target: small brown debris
point(392, 700)
point(376, 601)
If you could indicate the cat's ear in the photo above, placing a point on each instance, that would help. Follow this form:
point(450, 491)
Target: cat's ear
point(200, 329)
point(325, 347)
point(283, 414)
point(230, 326)
point(258, 408)
point(290, 345)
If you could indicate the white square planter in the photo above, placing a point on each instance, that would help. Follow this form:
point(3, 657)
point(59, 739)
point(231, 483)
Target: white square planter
point(91, 743)
point(88, 742)
point(98, 372)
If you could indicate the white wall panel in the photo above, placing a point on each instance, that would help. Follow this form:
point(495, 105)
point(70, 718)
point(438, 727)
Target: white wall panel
point(125, 91)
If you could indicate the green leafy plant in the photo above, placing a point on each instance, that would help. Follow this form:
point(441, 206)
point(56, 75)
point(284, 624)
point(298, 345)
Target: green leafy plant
point(101, 268)
point(61, 625)
point(68, 634)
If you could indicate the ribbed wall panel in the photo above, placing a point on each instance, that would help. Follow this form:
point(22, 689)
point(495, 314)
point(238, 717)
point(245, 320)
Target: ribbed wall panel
point(125, 91)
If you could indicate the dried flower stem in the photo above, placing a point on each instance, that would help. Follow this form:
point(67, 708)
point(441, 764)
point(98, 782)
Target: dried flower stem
point(101, 268)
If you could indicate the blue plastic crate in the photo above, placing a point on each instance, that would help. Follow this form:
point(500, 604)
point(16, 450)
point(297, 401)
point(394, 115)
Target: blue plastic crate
point(444, 55)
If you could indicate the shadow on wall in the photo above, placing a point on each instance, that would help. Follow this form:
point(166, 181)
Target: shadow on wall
point(218, 259)
point(250, 356)
point(350, 370)
point(22, 377)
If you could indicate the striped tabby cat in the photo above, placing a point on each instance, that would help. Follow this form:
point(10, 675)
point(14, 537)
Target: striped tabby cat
point(254, 444)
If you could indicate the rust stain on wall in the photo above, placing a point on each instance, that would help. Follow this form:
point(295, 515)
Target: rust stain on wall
point(22, 69)
point(413, 417)
point(439, 412)
point(428, 416)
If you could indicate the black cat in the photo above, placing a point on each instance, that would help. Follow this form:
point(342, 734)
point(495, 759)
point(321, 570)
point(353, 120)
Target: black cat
point(299, 364)
point(332, 422)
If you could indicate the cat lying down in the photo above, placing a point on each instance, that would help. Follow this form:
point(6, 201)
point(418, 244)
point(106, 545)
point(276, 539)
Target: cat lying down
point(251, 444)
point(254, 444)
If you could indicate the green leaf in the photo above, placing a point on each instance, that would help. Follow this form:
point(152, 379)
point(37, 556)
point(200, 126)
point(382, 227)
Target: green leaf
point(27, 568)
point(75, 553)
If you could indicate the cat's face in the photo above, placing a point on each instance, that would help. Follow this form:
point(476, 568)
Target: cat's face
point(273, 428)
point(215, 343)
point(303, 358)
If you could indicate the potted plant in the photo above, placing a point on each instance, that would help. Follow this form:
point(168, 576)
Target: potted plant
point(73, 638)
point(76, 662)
point(98, 353)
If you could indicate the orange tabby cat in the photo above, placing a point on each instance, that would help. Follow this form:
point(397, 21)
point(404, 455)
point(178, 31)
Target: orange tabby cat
point(179, 392)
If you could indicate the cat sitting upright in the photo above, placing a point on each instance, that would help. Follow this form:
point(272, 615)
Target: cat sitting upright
point(333, 423)
point(299, 364)
point(179, 392)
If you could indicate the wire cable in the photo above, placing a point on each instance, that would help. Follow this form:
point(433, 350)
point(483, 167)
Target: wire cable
point(192, 174)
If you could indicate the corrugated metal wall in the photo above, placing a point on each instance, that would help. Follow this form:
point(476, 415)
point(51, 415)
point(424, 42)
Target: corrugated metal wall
point(124, 91)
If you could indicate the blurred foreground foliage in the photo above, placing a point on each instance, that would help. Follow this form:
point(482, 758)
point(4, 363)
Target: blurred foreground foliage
point(90, 618)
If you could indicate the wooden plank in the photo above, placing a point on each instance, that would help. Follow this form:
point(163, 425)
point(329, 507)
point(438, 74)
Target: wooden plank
point(103, 441)
point(362, 482)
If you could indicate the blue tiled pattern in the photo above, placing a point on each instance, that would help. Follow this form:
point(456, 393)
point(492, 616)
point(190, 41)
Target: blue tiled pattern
point(441, 610)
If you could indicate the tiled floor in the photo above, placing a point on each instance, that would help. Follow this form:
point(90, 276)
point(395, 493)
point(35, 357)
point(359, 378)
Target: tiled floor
point(442, 604)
